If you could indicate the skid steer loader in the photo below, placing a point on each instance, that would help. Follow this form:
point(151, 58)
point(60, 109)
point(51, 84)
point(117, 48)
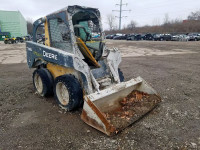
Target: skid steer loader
point(77, 67)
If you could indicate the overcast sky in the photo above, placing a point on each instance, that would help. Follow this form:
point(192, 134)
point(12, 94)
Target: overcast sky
point(144, 12)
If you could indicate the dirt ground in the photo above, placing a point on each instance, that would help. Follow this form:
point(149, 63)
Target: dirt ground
point(28, 121)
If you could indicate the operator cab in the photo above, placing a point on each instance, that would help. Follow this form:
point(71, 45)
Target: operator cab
point(87, 28)
point(87, 35)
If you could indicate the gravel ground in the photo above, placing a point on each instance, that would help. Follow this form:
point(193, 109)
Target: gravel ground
point(28, 121)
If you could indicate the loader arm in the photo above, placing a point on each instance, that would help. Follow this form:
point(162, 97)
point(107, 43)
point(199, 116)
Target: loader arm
point(86, 52)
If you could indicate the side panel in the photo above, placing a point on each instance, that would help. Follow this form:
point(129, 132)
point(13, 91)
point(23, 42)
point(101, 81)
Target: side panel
point(38, 51)
point(41, 54)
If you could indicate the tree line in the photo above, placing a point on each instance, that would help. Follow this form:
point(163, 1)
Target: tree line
point(192, 24)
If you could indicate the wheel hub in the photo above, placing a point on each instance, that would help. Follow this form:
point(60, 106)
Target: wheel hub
point(38, 83)
point(62, 93)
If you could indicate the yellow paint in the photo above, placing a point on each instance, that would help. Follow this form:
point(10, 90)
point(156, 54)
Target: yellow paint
point(86, 52)
point(47, 39)
point(57, 70)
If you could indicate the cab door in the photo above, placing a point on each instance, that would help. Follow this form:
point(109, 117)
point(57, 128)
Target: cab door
point(59, 33)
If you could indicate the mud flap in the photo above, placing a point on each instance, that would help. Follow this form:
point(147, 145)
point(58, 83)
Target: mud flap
point(113, 109)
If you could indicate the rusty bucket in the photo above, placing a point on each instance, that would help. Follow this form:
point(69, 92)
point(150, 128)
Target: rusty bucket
point(113, 109)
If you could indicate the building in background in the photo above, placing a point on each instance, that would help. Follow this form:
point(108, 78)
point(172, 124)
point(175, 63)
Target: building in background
point(13, 22)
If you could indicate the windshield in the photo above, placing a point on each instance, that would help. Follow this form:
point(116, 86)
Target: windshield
point(87, 28)
point(93, 37)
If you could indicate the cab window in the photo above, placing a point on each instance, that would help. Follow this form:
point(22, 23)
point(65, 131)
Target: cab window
point(60, 35)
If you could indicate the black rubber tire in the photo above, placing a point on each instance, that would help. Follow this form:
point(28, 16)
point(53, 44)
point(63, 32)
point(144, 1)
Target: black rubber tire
point(9, 42)
point(47, 81)
point(121, 75)
point(13, 41)
point(6, 42)
point(74, 89)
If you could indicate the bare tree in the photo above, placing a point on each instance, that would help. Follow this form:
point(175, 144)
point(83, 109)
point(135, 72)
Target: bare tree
point(169, 26)
point(194, 15)
point(29, 26)
point(156, 22)
point(111, 22)
point(166, 19)
point(176, 21)
point(132, 25)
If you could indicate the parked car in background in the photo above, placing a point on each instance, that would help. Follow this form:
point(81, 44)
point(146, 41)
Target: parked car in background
point(162, 37)
point(198, 37)
point(158, 37)
point(19, 40)
point(28, 38)
point(149, 36)
point(155, 37)
point(138, 37)
point(175, 37)
point(110, 36)
point(118, 34)
point(183, 37)
point(194, 37)
point(143, 36)
point(120, 37)
point(167, 37)
point(134, 37)
point(94, 35)
point(130, 37)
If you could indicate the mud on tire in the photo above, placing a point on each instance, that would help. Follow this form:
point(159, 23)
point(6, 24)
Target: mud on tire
point(43, 82)
point(68, 92)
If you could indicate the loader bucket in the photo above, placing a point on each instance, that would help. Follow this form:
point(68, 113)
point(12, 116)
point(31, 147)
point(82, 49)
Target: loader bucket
point(113, 109)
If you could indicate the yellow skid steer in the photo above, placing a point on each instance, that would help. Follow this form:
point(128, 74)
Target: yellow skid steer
point(75, 65)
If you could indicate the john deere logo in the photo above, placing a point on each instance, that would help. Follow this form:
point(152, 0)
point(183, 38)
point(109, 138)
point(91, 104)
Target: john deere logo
point(50, 55)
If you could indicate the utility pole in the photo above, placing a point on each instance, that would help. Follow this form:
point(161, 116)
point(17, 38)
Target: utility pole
point(120, 13)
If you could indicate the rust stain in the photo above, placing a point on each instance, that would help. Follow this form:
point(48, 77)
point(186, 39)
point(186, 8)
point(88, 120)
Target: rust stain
point(110, 129)
point(91, 122)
